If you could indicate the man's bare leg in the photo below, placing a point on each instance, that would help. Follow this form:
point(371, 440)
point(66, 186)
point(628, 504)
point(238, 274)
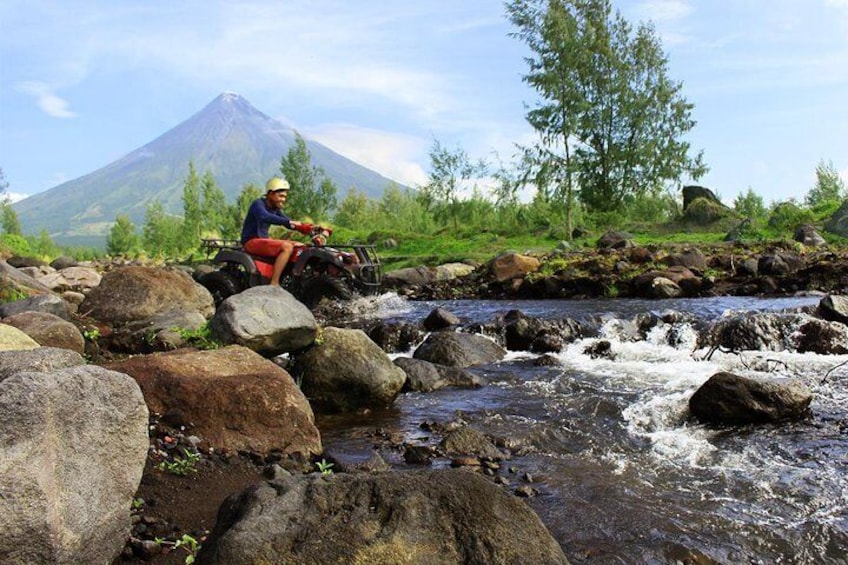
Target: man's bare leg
point(280, 263)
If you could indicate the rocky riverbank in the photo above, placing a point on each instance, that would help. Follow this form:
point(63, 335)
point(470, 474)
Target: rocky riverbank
point(188, 426)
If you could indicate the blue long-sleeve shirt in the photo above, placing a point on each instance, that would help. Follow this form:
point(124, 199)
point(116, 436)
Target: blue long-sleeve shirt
point(259, 218)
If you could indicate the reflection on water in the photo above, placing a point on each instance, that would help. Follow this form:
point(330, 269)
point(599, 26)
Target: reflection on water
point(623, 475)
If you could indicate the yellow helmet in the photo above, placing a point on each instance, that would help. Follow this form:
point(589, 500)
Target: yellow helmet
point(276, 183)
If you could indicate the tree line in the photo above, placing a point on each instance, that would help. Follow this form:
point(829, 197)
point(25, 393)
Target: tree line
point(610, 151)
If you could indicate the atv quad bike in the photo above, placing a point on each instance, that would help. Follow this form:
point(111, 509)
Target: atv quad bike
point(314, 271)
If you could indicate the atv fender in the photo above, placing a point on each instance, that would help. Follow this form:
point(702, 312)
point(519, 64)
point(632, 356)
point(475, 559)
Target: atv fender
point(227, 256)
point(321, 254)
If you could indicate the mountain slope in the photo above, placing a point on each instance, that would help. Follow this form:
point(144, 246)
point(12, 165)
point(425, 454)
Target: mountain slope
point(230, 138)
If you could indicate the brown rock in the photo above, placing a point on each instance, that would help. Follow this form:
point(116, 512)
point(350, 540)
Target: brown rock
point(232, 397)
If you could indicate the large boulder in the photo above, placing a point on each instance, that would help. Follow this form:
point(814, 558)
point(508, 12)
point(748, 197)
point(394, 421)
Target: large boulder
point(430, 517)
point(456, 349)
point(39, 360)
point(763, 331)
point(395, 337)
point(346, 371)
point(423, 376)
point(838, 222)
point(48, 330)
point(50, 303)
point(693, 192)
point(13, 339)
point(423, 275)
point(232, 398)
point(834, 307)
point(79, 279)
point(266, 319)
point(673, 282)
point(526, 333)
point(15, 285)
point(164, 331)
point(134, 293)
point(732, 399)
point(808, 235)
point(73, 443)
point(510, 266)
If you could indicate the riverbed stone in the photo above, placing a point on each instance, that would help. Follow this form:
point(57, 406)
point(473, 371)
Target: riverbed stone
point(459, 349)
point(727, 398)
point(421, 517)
point(345, 371)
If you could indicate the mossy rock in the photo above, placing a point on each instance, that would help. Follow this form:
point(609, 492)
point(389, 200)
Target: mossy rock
point(703, 211)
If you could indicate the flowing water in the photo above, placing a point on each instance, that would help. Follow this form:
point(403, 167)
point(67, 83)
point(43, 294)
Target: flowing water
point(623, 475)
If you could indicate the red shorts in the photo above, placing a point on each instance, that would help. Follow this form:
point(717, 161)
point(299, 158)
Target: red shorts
point(266, 247)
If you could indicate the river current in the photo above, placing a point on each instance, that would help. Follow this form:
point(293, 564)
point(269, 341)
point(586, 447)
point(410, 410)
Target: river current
point(623, 475)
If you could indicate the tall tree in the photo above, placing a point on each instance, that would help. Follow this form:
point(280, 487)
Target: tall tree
point(122, 239)
point(353, 209)
point(214, 205)
point(610, 118)
point(312, 194)
point(450, 172)
point(8, 217)
point(829, 188)
point(192, 211)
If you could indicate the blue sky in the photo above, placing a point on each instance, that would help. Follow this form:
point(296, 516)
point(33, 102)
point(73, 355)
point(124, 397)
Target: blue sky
point(82, 83)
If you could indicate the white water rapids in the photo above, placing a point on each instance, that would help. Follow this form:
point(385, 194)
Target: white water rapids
point(623, 473)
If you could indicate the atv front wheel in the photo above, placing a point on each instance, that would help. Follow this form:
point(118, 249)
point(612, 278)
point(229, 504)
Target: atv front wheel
point(314, 289)
point(221, 285)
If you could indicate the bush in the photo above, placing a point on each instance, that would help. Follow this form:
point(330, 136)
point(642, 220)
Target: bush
point(703, 211)
point(16, 243)
point(787, 216)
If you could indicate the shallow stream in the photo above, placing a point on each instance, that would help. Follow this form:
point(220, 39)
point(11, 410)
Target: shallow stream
point(623, 475)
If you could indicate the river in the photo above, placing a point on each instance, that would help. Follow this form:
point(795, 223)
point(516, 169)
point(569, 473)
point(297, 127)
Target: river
point(622, 474)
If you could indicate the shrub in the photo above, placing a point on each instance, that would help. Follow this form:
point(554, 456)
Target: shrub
point(787, 216)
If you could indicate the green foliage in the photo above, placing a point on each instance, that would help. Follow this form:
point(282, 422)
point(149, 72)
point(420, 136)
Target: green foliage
point(91, 334)
point(312, 194)
point(829, 189)
point(192, 211)
point(11, 294)
point(214, 206)
point(450, 172)
point(161, 233)
point(354, 209)
point(324, 467)
point(122, 239)
point(750, 205)
point(609, 117)
point(181, 465)
point(188, 543)
point(9, 218)
point(788, 216)
point(200, 338)
point(17, 244)
point(703, 211)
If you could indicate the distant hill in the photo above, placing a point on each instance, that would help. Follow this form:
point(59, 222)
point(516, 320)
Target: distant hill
point(230, 138)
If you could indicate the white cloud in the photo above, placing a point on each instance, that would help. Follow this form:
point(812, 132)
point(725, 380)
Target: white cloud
point(16, 196)
point(47, 100)
point(393, 155)
point(669, 17)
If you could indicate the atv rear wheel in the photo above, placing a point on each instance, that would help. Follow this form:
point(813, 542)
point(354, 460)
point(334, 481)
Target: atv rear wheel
point(316, 288)
point(221, 285)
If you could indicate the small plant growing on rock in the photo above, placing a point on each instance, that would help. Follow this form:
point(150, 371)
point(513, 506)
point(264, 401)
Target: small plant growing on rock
point(181, 466)
point(200, 338)
point(325, 467)
point(92, 334)
point(187, 542)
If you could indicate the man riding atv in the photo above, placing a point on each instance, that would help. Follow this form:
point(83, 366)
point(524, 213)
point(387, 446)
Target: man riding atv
point(311, 271)
point(263, 213)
